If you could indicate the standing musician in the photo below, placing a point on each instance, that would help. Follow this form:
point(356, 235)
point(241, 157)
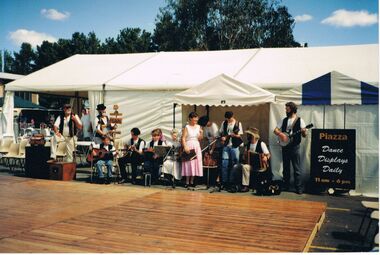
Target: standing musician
point(255, 144)
point(134, 155)
point(152, 161)
point(65, 129)
point(231, 131)
point(103, 125)
point(191, 135)
point(211, 133)
point(291, 153)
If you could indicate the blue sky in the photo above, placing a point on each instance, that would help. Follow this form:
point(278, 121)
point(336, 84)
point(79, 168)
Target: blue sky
point(319, 22)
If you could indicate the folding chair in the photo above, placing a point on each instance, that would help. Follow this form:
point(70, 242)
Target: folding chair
point(10, 156)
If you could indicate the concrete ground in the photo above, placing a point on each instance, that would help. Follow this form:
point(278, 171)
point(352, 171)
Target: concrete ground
point(339, 229)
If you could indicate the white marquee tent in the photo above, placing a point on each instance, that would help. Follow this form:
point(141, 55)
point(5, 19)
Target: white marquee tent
point(144, 85)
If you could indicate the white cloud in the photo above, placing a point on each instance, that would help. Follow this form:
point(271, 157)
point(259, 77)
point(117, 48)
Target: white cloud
point(303, 18)
point(345, 18)
point(53, 14)
point(34, 38)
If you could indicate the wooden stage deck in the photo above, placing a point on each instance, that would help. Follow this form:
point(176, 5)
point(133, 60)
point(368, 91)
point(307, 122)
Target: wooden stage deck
point(53, 216)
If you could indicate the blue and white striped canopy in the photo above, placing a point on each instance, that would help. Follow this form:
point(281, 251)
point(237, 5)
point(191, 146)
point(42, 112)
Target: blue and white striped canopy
point(332, 88)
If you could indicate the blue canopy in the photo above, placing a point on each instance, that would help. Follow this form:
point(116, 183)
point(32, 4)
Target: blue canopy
point(332, 88)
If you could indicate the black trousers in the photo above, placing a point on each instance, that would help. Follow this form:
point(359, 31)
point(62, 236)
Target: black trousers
point(135, 160)
point(292, 154)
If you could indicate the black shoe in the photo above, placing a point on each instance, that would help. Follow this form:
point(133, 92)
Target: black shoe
point(299, 192)
point(101, 181)
point(245, 189)
point(232, 189)
point(193, 185)
point(107, 181)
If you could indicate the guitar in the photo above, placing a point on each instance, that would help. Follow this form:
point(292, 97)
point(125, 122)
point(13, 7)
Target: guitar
point(97, 154)
point(289, 137)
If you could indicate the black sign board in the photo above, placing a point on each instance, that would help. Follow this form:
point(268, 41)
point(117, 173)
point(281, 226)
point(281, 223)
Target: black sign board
point(333, 158)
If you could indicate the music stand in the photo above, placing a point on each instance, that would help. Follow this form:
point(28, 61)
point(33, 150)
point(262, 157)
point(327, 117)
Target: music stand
point(161, 150)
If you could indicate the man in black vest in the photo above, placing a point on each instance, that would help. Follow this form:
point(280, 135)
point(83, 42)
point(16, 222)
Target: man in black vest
point(134, 155)
point(65, 129)
point(103, 125)
point(231, 131)
point(291, 153)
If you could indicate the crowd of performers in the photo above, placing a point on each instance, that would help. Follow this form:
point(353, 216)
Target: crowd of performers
point(185, 158)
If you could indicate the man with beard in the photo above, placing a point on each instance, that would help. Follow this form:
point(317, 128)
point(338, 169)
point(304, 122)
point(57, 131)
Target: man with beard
point(65, 129)
point(291, 152)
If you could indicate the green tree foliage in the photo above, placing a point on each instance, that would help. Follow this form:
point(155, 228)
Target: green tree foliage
point(8, 61)
point(24, 60)
point(223, 24)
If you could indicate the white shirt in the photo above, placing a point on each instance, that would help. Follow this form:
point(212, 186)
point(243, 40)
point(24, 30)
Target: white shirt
point(98, 124)
point(106, 147)
point(230, 128)
point(66, 130)
point(86, 125)
point(142, 144)
point(211, 132)
point(252, 147)
point(290, 123)
point(147, 145)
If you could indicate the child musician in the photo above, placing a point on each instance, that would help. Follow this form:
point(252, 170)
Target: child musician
point(172, 166)
point(106, 160)
point(151, 161)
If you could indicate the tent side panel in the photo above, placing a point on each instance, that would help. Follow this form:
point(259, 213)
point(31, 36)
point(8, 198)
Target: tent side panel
point(145, 110)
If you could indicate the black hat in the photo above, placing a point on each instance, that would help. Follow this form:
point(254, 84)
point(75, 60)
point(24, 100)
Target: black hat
point(100, 107)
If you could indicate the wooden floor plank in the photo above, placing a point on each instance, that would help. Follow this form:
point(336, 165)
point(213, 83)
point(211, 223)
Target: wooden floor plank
point(50, 216)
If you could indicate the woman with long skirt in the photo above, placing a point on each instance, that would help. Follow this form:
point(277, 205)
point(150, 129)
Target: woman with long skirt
point(191, 135)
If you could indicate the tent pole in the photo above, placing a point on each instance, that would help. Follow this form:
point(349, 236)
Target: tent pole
point(195, 108)
point(77, 101)
point(104, 92)
point(174, 106)
point(344, 116)
point(324, 110)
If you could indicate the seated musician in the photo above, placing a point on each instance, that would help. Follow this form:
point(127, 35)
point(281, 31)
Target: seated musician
point(134, 155)
point(172, 166)
point(151, 161)
point(255, 144)
point(106, 160)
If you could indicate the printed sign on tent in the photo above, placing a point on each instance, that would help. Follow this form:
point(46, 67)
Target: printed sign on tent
point(333, 158)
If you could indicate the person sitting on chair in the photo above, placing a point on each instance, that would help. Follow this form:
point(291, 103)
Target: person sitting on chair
point(108, 153)
point(255, 144)
point(134, 155)
point(172, 167)
point(240, 175)
point(151, 161)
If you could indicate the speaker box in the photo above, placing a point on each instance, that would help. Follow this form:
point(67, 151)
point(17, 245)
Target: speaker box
point(64, 171)
point(36, 158)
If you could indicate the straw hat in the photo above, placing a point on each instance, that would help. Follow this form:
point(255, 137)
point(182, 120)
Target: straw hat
point(254, 132)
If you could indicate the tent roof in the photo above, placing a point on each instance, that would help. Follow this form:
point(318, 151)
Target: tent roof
point(333, 88)
point(10, 76)
point(79, 73)
point(285, 68)
point(269, 68)
point(234, 93)
point(183, 70)
point(22, 103)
